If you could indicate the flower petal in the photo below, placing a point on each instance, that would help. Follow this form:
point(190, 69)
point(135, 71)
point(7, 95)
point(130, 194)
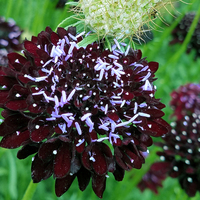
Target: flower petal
point(46, 149)
point(41, 170)
point(62, 161)
point(15, 140)
point(98, 184)
point(83, 176)
point(27, 150)
point(63, 184)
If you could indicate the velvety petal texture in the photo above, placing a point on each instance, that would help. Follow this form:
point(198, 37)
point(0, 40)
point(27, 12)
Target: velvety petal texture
point(84, 112)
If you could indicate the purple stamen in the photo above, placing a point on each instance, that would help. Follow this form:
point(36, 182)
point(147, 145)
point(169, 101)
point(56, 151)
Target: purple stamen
point(84, 117)
point(72, 37)
point(143, 114)
point(66, 39)
point(80, 142)
point(71, 95)
point(78, 128)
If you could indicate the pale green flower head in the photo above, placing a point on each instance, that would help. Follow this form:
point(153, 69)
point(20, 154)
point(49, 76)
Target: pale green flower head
point(120, 18)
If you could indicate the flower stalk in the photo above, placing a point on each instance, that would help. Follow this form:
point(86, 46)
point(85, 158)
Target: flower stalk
point(28, 195)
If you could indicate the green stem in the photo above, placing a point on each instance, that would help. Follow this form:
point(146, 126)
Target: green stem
point(30, 191)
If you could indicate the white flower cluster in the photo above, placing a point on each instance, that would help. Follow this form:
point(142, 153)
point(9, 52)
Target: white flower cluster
point(119, 18)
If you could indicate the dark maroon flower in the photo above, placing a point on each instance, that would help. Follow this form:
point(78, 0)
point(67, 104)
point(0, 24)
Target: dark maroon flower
point(186, 100)
point(9, 39)
point(66, 103)
point(181, 149)
point(154, 177)
point(180, 32)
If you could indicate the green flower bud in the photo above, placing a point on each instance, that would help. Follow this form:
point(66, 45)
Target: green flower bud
point(120, 18)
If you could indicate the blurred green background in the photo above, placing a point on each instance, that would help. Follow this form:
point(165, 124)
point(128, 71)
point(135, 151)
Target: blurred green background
point(176, 68)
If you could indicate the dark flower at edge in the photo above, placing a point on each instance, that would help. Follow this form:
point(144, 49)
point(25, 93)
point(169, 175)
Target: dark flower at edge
point(9, 39)
point(66, 103)
point(181, 30)
point(181, 148)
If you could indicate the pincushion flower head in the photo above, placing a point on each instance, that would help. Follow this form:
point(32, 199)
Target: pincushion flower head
point(180, 32)
point(181, 148)
point(9, 39)
point(120, 18)
point(83, 112)
point(186, 100)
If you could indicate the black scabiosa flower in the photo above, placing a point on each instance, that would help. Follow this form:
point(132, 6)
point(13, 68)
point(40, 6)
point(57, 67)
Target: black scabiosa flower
point(154, 178)
point(180, 32)
point(9, 39)
point(180, 157)
point(185, 100)
point(83, 111)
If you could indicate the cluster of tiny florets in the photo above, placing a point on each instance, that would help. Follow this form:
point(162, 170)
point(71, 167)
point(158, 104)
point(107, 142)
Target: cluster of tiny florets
point(65, 103)
point(180, 157)
point(119, 18)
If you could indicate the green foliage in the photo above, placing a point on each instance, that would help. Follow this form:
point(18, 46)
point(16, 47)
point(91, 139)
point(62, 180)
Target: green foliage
point(176, 68)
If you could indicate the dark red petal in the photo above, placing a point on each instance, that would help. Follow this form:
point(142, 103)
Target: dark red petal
point(40, 134)
point(7, 81)
point(46, 149)
point(43, 55)
point(63, 184)
point(136, 162)
point(85, 158)
point(99, 164)
point(128, 96)
point(163, 123)
point(119, 159)
point(154, 129)
point(119, 173)
point(62, 161)
point(36, 109)
point(16, 105)
point(31, 47)
point(3, 97)
point(98, 184)
point(54, 38)
point(40, 128)
point(83, 176)
point(154, 113)
point(161, 166)
point(12, 57)
point(153, 66)
point(27, 150)
point(41, 170)
point(113, 116)
point(79, 147)
point(14, 140)
point(13, 123)
point(61, 32)
point(105, 149)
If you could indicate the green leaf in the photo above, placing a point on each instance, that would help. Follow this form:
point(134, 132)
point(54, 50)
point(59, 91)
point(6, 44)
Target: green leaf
point(107, 44)
point(88, 40)
point(72, 3)
point(3, 171)
point(69, 21)
point(79, 26)
point(12, 176)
